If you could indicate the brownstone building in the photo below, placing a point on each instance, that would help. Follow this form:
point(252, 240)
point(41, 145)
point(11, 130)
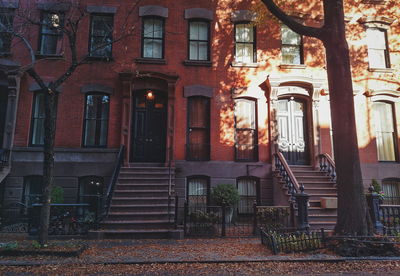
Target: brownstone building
point(205, 88)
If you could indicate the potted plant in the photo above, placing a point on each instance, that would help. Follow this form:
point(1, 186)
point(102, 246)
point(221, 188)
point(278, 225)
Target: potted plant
point(225, 195)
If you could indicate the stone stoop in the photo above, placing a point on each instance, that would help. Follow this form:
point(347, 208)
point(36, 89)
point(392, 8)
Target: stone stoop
point(139, 206)
point(319, 187)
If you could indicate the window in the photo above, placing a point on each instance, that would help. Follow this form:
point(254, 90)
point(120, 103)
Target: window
point(248, 192)
point(37, 125)
point(33, 189)
point(198, 191)
point(292, 46)
point(153, 37)
point(96, 120)
point(385, 131)
point(6, 20)
point(50, 34)
point(91, 191)
point(101, 29)
point(198, 40)
point(246, 130)
point(245, 43)
point(391, 189)
point(378, 52)
point(198, 132)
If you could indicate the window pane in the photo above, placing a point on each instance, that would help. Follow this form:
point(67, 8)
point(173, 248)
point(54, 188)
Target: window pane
point(193, 50)
point(101, 46)
point(96, 120)
point(244, 53)
point(148, 28)
point(384, 128)
point(158, 28)
point(38, 120)
point(244, 33)
point(152, 48)
point(376, 38)
point(102, 25)
point(49, 45)
point(203, 51)
point(101, 36)
point(203, 30)
point(197, 192)
point(290, 37)
point(194, 31)
point(6, 18)
point(248, 194)
point(377, 58)
point(291, 54)
point(245, 114)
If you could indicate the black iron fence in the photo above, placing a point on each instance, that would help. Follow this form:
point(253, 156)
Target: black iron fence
point(217, 221)
point(282, 241)
point(65, 219)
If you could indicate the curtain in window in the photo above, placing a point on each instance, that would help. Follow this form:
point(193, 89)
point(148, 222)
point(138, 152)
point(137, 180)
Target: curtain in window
point(244, 39)
point(384, 129)
point(391, 189)
point(198, 40)
point(197, 192)
point(96, 120)
point(37, 134)
point(245, 129)
point(376, 40)
point(291, 46)
point(248, 194)
point(153, 38)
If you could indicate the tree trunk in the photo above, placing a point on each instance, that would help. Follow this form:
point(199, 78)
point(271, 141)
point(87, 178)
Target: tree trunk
point(352, 211)
point(51, 101)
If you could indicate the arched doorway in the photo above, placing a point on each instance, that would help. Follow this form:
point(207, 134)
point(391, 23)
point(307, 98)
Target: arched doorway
point(149, 124)
point(293, 125)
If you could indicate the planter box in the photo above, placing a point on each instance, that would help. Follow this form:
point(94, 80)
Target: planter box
point(329, 202)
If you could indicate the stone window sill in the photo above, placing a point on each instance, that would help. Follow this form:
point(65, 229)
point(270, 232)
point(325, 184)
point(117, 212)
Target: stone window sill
point(100, 58)
point(292, 66)
point(43, 56)
point(205, 63)
point(243, 64)
point(160, 61)
point(381, 70)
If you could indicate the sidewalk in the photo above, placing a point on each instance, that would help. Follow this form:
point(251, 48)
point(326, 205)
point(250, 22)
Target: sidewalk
point(225, 250)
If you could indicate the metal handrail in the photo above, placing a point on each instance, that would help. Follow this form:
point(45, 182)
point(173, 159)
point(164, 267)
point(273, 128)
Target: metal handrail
point(287, 175)
point(113, 181)
point(326, 164)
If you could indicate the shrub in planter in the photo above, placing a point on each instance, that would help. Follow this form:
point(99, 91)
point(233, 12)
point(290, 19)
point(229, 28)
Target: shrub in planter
point(225, 195)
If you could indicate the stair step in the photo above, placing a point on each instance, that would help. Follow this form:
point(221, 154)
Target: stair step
point(140, 200)
point(162, 233)
point(140, 216)
point(140, 207)
point(140, 193)
point(136, 224)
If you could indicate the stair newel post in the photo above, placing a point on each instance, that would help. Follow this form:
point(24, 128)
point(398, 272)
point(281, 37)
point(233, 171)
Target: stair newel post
point(185, 215)
point(255, 226)
point(302, 209)
point(223, 229)
point(373, 202)
point(176, 211)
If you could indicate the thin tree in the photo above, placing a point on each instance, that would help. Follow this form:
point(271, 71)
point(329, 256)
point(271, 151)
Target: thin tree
point(66, 25)
point(353, 216)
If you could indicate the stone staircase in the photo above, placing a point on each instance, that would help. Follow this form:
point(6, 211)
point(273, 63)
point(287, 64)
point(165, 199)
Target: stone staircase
point(140, 205)
point(317, 185)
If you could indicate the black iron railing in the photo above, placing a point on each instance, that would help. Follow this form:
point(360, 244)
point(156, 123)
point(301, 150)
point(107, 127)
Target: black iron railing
point(113, 181)
point(326, 164)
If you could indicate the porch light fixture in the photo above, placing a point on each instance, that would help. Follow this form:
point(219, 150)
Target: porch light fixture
point(149, 95)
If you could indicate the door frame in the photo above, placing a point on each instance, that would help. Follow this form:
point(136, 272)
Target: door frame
point(140, 80)
point(135, 93)
point(300, 87)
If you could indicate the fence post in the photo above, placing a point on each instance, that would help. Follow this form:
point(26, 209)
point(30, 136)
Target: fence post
point(302, 210)
point(255, 226)
point(223, 229)
point(374, 209)
point(185, 214)
point(176, 211)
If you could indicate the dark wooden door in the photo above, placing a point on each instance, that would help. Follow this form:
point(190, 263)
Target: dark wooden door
point(148, 127)
point(292, 127)
point(3, 112)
